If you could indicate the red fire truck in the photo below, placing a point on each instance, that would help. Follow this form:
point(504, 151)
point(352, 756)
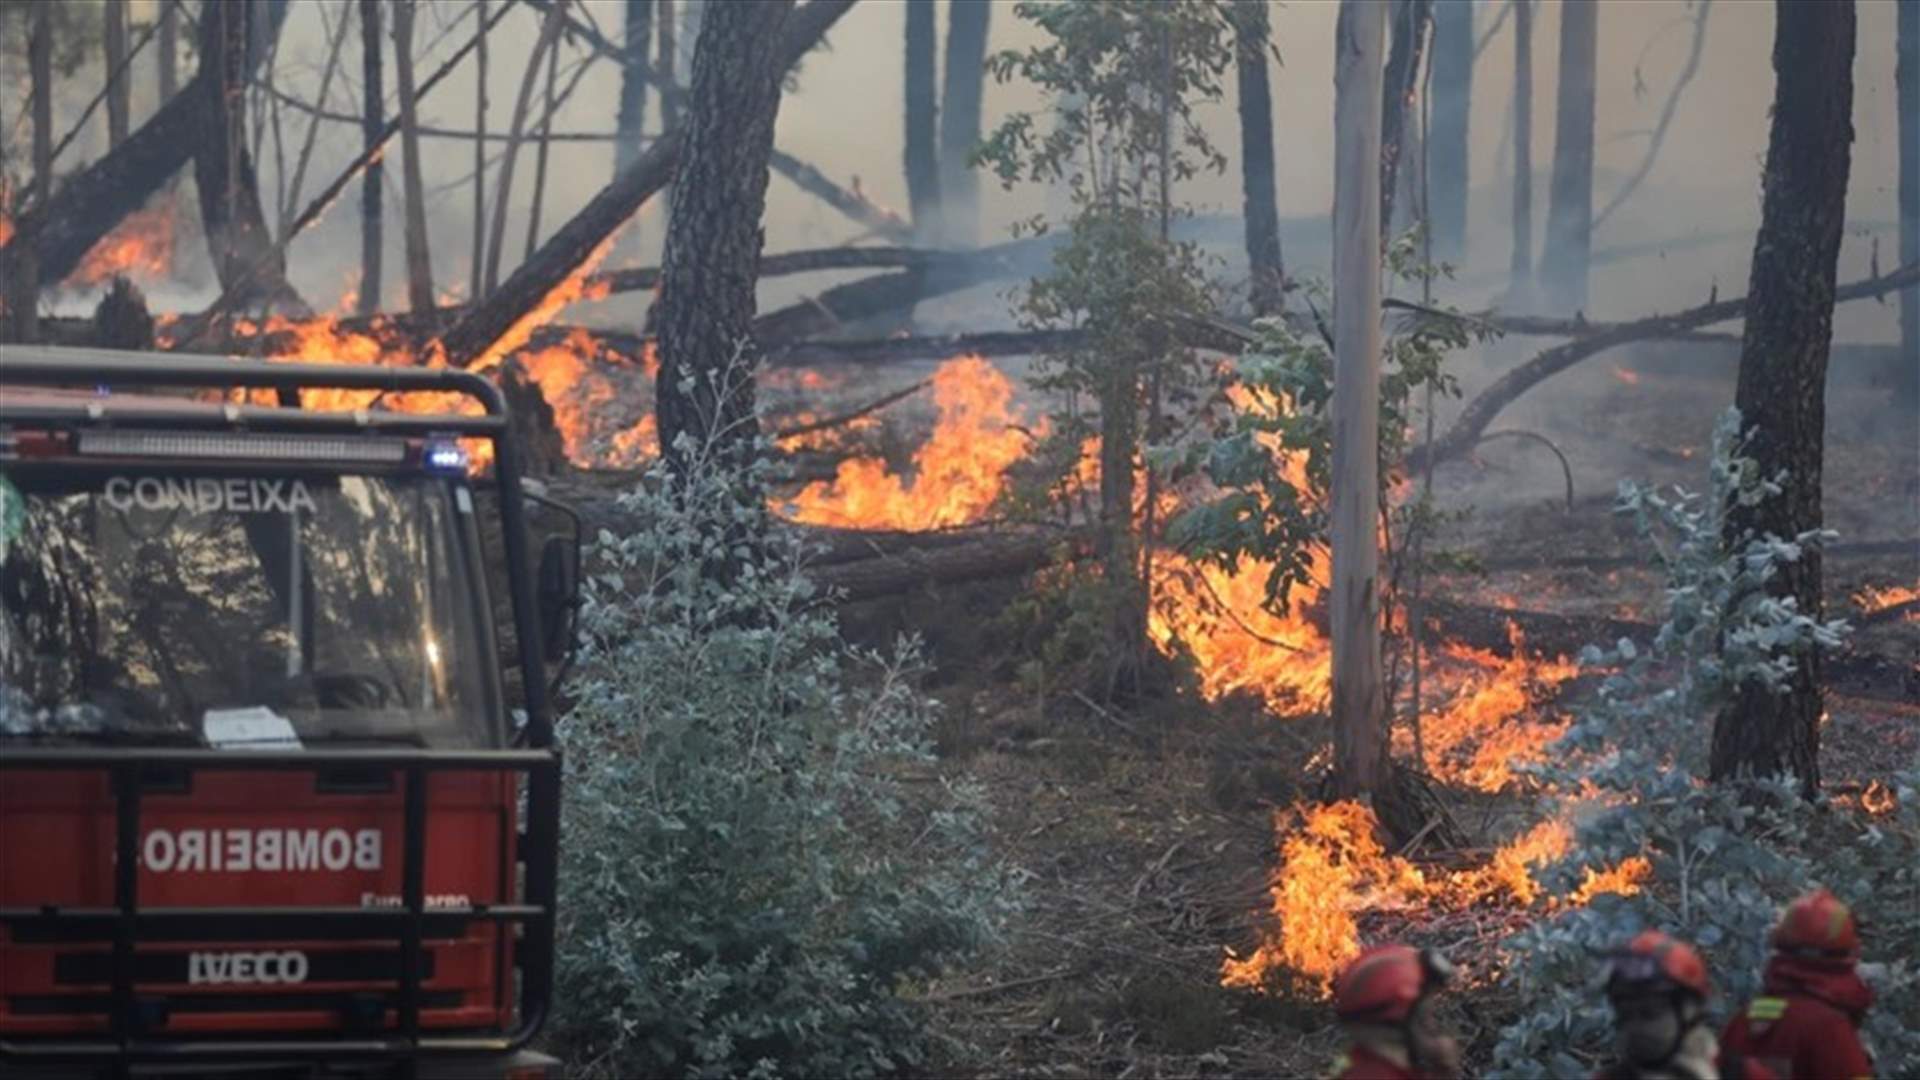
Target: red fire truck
point(266, 804)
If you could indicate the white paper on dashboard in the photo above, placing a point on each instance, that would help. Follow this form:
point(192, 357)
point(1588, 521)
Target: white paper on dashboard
point(253, 728)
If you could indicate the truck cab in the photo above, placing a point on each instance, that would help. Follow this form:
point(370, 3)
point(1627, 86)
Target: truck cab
point(269, 803)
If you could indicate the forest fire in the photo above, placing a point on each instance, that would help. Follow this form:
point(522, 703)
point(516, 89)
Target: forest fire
point(959, 470)
point(1332, 867)
point(1480, 734)
point(141, 247)
point(1871, 598)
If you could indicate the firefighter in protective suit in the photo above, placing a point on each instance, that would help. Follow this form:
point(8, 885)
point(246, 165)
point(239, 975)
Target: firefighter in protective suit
point(1807, 1024)
point(1658, 987)
point(1384, 1002)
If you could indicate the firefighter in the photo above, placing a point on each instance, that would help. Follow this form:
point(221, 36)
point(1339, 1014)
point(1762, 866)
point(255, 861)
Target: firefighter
point(1658, 987)
point(1384, 1000)
point(1808, 1023)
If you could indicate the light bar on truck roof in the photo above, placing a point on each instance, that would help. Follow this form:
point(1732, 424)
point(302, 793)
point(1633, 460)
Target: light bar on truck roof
point(446, 456)
point(353, 449)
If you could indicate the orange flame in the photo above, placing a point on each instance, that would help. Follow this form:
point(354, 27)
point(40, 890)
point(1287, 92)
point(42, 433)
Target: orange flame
point(574, 287)
point(1479, 736)
point(1872, 598)
point(959, 471)
point(140, 246)
point(1333, 867)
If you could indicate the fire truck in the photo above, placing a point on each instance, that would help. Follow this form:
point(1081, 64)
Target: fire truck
point(279, 794)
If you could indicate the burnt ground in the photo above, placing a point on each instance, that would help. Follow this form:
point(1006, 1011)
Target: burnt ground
point(1148, 839)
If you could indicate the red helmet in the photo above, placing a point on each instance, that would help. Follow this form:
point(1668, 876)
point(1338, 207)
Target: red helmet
point(1384, 983)
point(1818, 926)
point(1655, 963)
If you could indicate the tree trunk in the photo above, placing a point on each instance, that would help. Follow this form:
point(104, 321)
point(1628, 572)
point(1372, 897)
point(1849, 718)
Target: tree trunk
point(967, 23)
point(238, 240)
point(476, 273)
point(714, 237)
point(1783, 363)
point(631, 120)
point(1257, 181)
point(1570, 199)
point(1447, 150)
point(372, 118)
point(1522, 264)
point(119, 99)
point(1410, 19)
point(540, 155)
point(516, 132)
point(1906, 81)
point(485, 327)
point(419, 258)
point(666, 62)
point(168, 42)
point(922, 156)
point(1359, 716)
point(23, 264)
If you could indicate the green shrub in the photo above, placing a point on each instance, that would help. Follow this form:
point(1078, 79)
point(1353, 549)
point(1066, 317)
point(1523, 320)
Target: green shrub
point(1724, 857)
point(744, 888)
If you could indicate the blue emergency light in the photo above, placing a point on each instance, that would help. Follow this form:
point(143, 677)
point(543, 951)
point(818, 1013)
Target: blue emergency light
point(446, 457)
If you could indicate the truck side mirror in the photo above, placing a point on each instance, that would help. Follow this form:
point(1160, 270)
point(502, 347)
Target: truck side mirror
point(558, 596)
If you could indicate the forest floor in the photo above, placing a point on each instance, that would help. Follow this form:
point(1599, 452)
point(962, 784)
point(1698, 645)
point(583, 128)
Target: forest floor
point(1148, 841)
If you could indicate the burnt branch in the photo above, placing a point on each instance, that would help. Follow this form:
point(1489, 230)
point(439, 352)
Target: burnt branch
point(1478, 413)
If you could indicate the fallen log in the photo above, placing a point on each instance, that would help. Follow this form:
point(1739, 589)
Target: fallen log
point(1472, 422)
point(989, 558)
point(641, 278)
point(855, 205)
point(486, 325)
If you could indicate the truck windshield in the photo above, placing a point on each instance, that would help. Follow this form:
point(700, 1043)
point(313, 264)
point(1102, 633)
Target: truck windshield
point(196, 607)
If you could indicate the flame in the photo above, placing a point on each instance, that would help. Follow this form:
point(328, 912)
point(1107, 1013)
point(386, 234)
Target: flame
point(6, 228)
point(1873, 598)
point(1330, 868)
point(958, 473)
point(140, 246)
point(575, 286)
point(1479, 735)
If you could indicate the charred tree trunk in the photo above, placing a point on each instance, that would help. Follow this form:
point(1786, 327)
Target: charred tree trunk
point(516, 133)
point(1257, 180)
point(1447, 150)
point(1410, 19)
point(119, 99)
point(1783, 363)
point(476, 274)
point(238, 241)
point(631, 120)
point(1906, 81)
point(23, 263)
point(373, 117)
point(419, 258)
point(168, 42)
point(1359, 705)
point(1522, 264)
point(485, 328)
point(714, 237)
point(1570, 207)
point(922, 156)
point(967, 23)
point(666, 63)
